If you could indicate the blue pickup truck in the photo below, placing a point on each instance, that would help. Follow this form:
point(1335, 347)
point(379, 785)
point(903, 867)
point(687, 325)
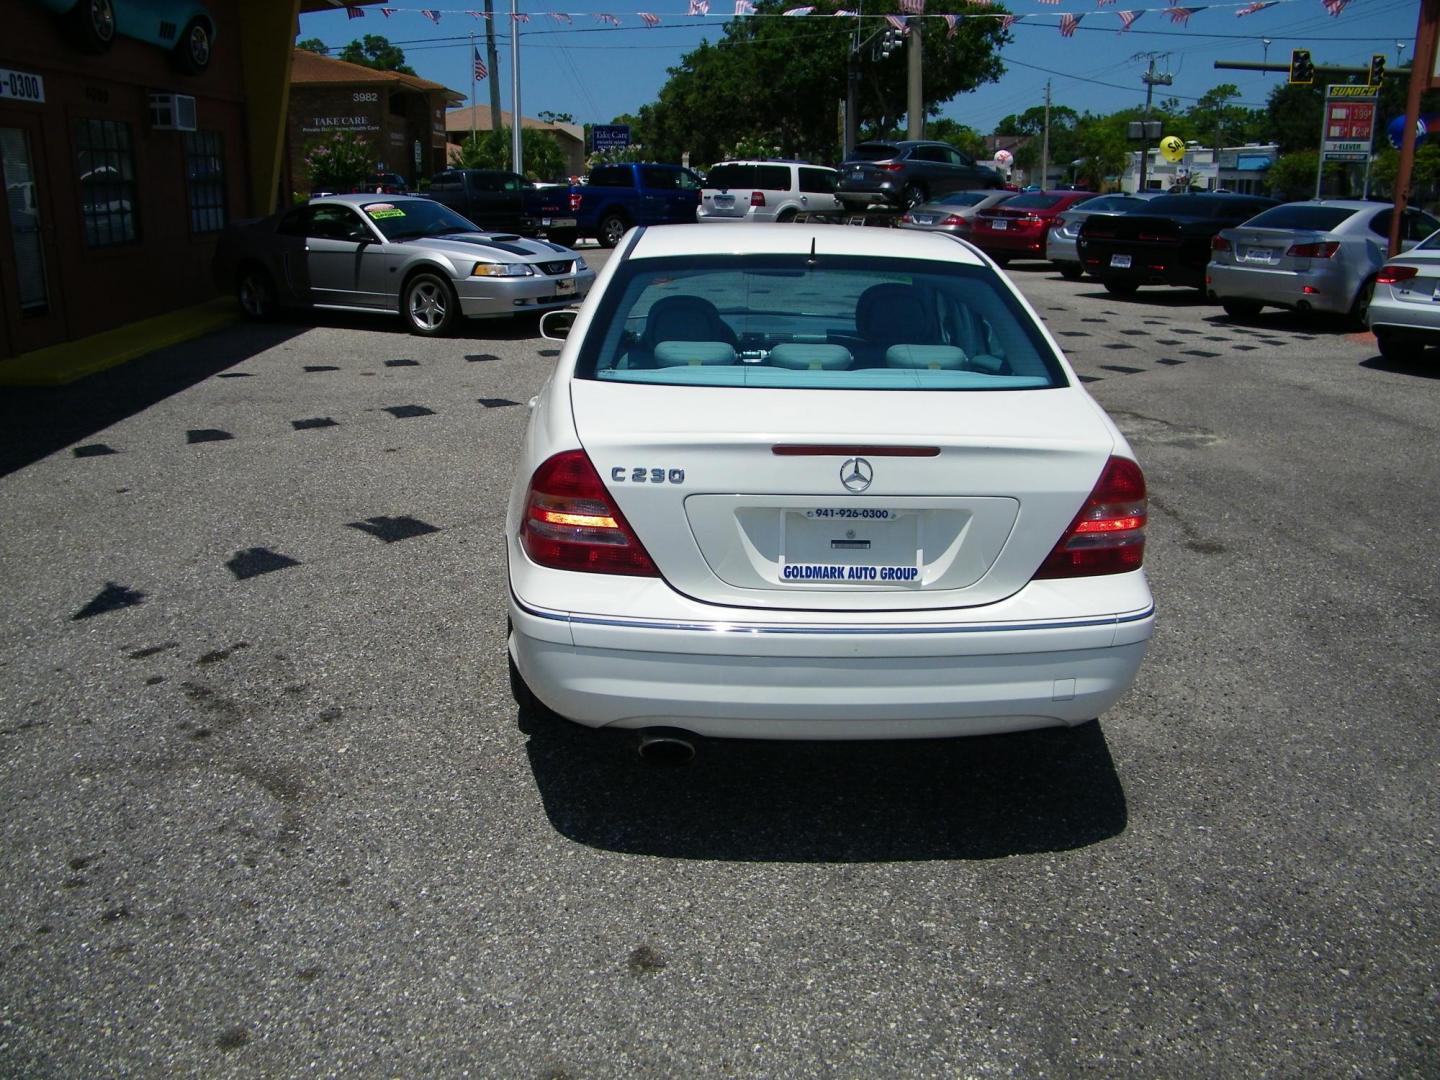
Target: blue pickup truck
point(615, 197)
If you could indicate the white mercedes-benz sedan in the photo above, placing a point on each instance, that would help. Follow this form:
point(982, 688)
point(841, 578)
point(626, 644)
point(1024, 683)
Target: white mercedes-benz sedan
point(814, 482)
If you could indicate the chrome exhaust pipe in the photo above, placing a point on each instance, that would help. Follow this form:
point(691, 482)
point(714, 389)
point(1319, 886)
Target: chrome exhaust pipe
point(666, 746)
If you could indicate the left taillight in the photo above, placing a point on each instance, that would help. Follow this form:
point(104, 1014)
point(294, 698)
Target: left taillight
point(1108, 534)
point(757, 198)
point(572, 523)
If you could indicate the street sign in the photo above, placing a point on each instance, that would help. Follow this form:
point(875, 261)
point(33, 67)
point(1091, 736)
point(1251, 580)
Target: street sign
point(1349, 123)
point(609, 137)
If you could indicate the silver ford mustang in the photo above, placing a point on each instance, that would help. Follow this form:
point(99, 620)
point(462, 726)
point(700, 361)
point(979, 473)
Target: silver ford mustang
point(394, 253)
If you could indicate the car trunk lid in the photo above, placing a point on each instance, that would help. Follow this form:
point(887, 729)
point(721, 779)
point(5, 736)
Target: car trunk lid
point(749, 498)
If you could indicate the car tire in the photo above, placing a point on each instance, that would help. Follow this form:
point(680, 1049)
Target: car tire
point(255, 290)
point(529, 706)
point(1240, 310)
point(1120, 288)
point(612, 228)
point(1398, 349)
point(197, 43)
point(1361, 305)
point(785, 217)
point(429, 305)
point(913, 196)
point(1071, 271)
point(90, 25)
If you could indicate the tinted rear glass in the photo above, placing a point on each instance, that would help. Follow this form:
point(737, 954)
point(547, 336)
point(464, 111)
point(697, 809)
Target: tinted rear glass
point(873, 152)
point(1301, 216)
point(731, 176)
point(965, 198)
point(1036, 201)
point(611, 176)
point(848, 324)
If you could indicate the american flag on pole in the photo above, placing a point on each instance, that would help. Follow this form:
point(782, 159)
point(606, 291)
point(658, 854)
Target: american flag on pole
point(953, 24)
point(1259, 5)
point(1068, 23)
point(648, 18)
point(353, 12)
point(915, 7)
point(1180, 16)
point(481, 71)
point(699, 7)
point(898, 23)
point(1127, 19)
point(431, 14)
point(606, 17)
point(1334, 7)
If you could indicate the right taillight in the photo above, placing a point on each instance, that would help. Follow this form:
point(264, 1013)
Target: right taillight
point(575, 198)
point(1108, 534)
point(1313, 251)
point(571, 523)
point(1393, 275)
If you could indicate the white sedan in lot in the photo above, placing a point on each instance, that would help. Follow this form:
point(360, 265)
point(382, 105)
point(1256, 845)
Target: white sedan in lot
point(1405, 310)
point(820, 483)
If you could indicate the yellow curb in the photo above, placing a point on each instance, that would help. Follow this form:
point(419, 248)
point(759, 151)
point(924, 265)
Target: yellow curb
point(57, 365)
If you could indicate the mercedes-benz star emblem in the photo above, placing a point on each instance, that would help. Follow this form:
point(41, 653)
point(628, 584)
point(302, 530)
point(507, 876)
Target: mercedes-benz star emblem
point(856, 474)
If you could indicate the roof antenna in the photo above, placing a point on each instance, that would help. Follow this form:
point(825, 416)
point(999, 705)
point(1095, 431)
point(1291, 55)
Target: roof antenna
point(811, 261)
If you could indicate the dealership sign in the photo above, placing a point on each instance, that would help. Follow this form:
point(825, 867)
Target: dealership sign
point(1349, 129)
point(610, 137)
point(21, 86)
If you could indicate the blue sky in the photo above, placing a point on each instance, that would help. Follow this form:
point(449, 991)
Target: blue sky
point(596, 72)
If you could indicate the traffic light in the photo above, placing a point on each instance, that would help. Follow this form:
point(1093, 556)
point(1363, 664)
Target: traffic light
point(890, 41)
point(1377, 69)
point(1301, 69)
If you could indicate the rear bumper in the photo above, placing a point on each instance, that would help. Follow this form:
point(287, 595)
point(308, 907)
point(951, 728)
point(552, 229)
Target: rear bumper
point(1029, 243)
point(831, 681)
point(1061, 249)
point(1405, 319)
point(1281, 288)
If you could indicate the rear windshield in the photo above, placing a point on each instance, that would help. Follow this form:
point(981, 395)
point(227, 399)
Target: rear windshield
point(845, 324)
point(1201, 206)
point(763, 177)
point(1036, 201)
point(965, 198)
point(873, 152)
point(1301, 216)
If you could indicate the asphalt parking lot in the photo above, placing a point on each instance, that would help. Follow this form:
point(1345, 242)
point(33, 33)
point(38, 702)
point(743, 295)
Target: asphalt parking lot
point(270, 811)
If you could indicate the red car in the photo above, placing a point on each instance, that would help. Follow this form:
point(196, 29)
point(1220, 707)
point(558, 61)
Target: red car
point(1016, 228)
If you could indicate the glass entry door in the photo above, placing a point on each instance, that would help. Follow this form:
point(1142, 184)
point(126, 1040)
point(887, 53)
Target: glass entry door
point(32, 315)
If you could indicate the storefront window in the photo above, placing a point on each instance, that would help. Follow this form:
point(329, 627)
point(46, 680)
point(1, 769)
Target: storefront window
point(106, 165)
point(205, 171)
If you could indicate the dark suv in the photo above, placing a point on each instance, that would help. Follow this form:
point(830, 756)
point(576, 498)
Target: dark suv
point(906, 173)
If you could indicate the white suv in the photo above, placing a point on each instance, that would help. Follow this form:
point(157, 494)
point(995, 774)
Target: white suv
point(766, 191)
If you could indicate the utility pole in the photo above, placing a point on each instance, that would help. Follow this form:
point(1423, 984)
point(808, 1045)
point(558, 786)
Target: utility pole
point(1151, 80)
point(914, 96)
point(517, 151)
point(1422, 78)
point(1045, 141)
point(473, 105)
point(852, 86)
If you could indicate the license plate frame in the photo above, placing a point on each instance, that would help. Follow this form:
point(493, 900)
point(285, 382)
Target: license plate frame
point(1000, 225)
point(1121, 262)
point(1259, 255)
point(565, 287)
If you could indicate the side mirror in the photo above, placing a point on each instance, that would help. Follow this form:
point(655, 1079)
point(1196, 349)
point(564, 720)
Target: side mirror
point(555, 325)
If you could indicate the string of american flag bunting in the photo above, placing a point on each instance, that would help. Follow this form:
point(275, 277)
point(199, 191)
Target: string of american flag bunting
point(1069, 21)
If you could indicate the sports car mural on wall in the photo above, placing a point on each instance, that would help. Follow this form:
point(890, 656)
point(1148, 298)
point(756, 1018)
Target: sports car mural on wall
point(183, 28)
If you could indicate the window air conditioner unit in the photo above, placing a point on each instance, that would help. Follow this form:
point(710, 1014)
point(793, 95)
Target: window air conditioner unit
point(172, 112)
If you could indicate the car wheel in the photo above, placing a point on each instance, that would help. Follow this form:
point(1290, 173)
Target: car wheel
point(1071, 271)
point(914, 196)
point(429, 305)
point(785, 217)
point(1361, 306)
point(192, 54)
point(612, 228)
point(1398, 349)
point(256, 293)
point(531, 707)
point(91, 25)
point(1241, 309)
point(1120, 288)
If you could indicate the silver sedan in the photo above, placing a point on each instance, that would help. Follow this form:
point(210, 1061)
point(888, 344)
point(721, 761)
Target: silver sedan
point(1060, 241)
point(395, 254)
point(1320, 255)
point(953, 213)
point(1405, 310)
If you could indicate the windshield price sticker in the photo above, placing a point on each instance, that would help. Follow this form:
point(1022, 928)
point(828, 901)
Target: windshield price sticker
point(832, 572)
point(384, 210)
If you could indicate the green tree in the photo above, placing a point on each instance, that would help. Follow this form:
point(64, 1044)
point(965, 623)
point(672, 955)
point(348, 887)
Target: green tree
point(337, 162)
point(805, 64)
point(313, 44)
point(1103, 150)
point(1217, 122)
point(556, 117)
point(1032, 121)
point(491, 150)
point(374, 51)
point(961, 136)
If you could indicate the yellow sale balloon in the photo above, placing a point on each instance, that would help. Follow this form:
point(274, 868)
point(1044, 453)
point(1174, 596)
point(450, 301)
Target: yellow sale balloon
point(1172, 148)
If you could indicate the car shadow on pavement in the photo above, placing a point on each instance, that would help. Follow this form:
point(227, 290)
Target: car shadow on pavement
point(508, 328)
point(1160, 296)
point(37, 421)
point(1426, 367)
point(762, 801)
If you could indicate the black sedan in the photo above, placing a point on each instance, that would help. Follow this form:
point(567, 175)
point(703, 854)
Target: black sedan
point(1166, 243)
